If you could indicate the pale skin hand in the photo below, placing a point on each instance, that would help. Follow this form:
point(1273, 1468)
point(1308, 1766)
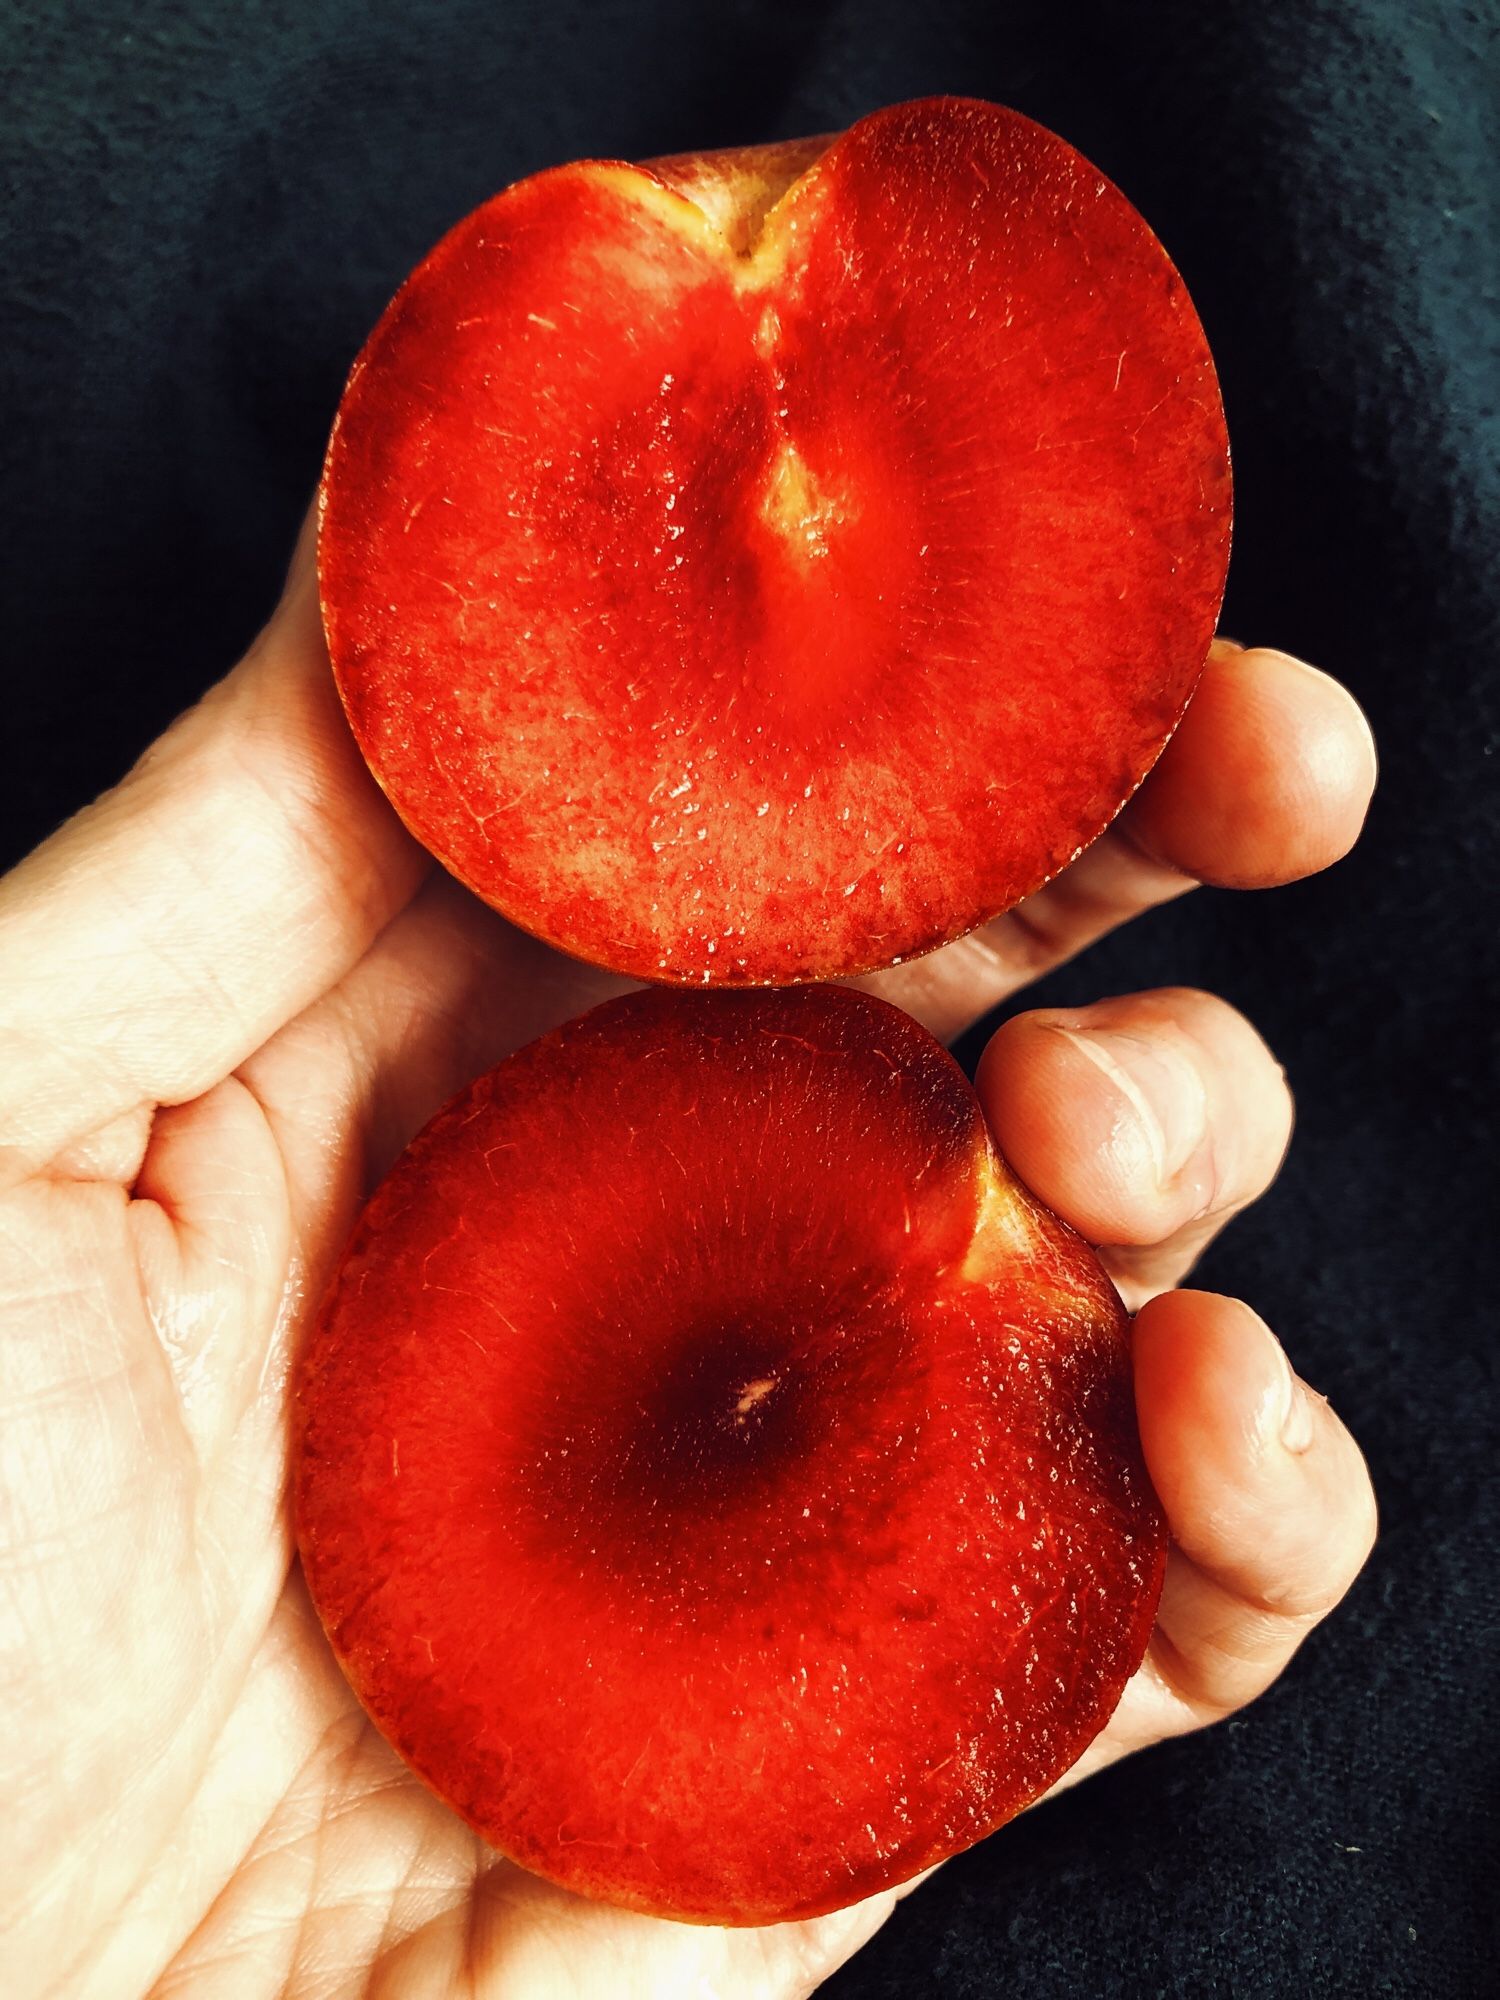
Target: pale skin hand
point(232, 989)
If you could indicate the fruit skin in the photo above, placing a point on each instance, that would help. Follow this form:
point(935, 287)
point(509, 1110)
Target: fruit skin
point(737, 594)
point(718, 1478)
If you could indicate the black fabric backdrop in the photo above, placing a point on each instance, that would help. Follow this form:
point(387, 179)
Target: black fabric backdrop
point(206, 207)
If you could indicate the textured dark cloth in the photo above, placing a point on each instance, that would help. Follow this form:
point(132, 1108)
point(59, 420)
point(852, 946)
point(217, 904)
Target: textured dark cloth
point(206, 207)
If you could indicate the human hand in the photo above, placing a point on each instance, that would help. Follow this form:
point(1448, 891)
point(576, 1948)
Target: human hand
point(232, 990)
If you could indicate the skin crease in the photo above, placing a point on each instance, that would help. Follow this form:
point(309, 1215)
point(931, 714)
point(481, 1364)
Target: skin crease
point(233, 989)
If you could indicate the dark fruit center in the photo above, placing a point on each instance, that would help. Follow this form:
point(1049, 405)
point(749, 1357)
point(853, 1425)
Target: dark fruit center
point(733, 1434)
point(726, 1412)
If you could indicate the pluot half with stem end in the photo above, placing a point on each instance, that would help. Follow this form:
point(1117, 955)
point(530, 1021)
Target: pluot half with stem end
point(766, 566)
point(717, 1476)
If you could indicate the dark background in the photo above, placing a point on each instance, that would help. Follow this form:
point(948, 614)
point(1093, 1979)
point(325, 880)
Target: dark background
point(206, 207)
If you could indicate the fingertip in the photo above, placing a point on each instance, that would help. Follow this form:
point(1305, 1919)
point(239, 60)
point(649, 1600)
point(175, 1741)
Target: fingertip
point(1264, 1488)
point(1268, 778)
point(1212, 1383)
point(1073, 1124)
point(1138, 1117)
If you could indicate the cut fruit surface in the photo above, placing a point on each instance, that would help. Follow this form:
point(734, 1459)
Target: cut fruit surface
point(717, 1476)
point(770, 567)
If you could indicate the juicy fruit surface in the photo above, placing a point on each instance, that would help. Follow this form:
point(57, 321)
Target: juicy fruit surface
point(747, 615)
point(734, 1504)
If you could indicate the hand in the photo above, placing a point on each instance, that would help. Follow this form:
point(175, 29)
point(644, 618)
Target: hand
point(233, 989)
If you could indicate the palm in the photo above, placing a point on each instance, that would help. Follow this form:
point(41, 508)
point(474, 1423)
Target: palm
point(187, 1139)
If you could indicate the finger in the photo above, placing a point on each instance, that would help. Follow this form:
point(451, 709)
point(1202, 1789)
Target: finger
point(1269, 1501)
point(242, 867)
point(1267, 779)
point(1146, 1122)
point(1270, 1507)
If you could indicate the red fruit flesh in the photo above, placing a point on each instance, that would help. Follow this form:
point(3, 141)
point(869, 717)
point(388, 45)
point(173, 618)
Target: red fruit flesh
point(743, 583)
point(735, 1505)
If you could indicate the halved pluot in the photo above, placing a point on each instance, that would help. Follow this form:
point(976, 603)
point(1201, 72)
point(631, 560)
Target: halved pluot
point(717, 1476)
point(767, 566)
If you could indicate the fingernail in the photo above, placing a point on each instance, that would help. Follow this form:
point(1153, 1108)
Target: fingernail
point(1161, 1083)
point(1288, 1408)
point(1299, 1415)
point(1299, 1404)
